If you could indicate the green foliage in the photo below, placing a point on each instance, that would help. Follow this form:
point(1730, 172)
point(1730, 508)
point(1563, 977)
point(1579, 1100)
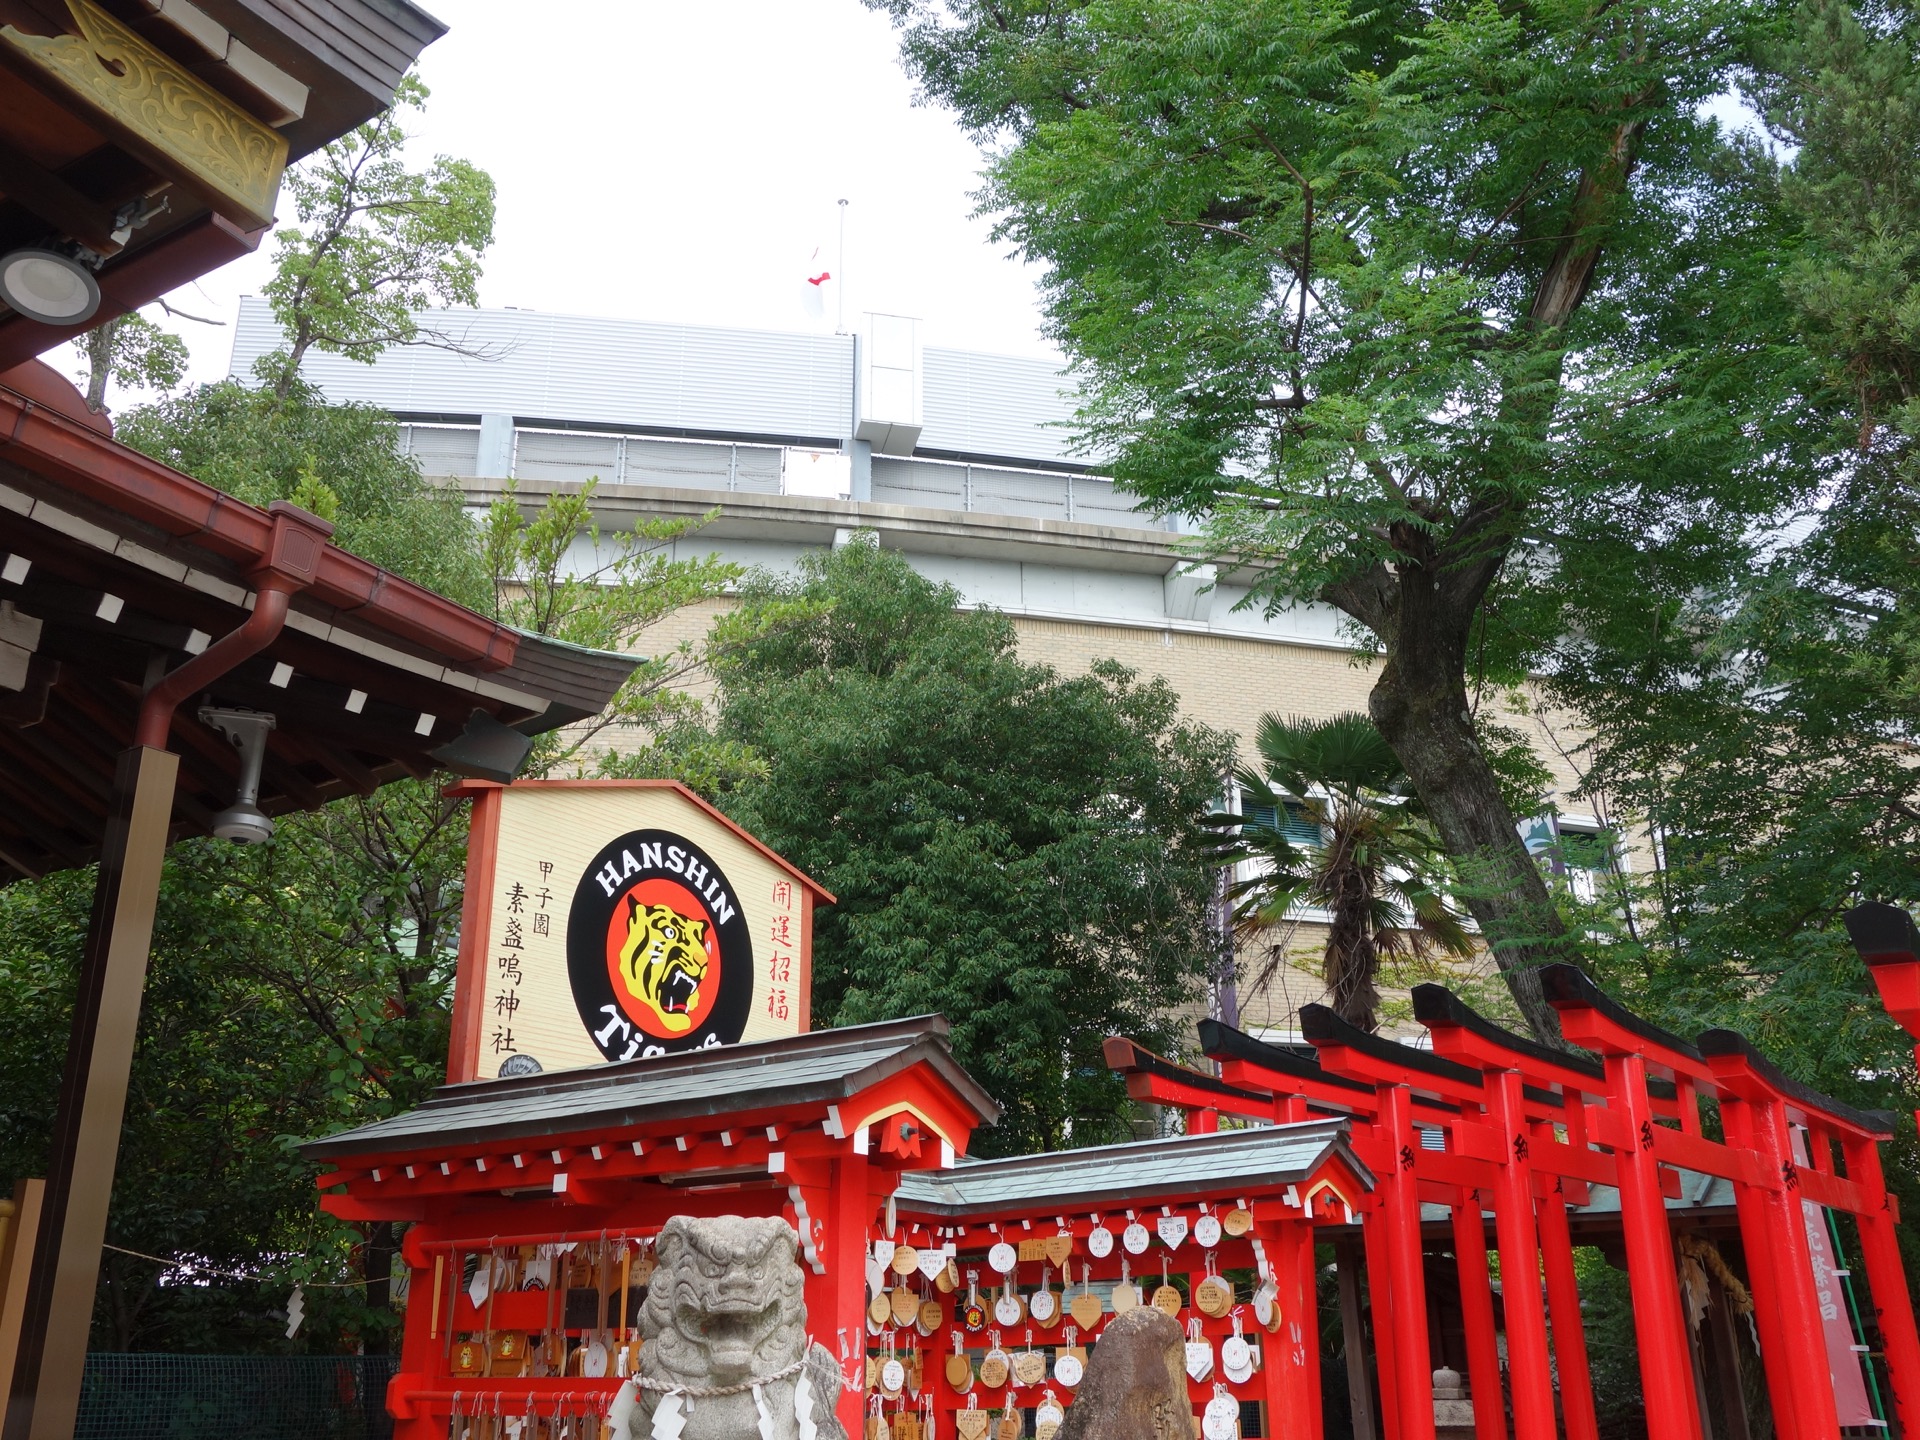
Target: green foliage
point(132, 350)
point(1436, 313)
point(1008, 846)
point(261, 447)
point(1377, 868)
point(554, 572)
point(376, 243)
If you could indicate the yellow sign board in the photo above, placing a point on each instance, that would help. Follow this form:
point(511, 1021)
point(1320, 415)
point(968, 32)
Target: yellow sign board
point(609, 920)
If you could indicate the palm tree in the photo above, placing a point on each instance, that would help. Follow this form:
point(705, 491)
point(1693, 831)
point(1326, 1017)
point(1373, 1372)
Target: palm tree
point(1373, 866)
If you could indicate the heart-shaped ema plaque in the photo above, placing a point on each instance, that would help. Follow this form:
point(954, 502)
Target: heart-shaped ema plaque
point(905, 1306)
point(1030, 1367)
point(1173, 1229)
point(1100, 1242)
point(1086, 1310)
point(1003, 1257)
point(971, 1424)
point(1199, 1359)
point(1059, 1249)
point(929, 1263)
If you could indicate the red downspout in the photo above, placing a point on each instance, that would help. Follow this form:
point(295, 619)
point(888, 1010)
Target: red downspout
point(292, 560)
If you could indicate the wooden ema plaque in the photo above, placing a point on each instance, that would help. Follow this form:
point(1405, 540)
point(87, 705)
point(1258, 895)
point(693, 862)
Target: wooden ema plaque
point(611, 920)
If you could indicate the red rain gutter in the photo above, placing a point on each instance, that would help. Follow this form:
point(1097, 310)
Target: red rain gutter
point(130, 483)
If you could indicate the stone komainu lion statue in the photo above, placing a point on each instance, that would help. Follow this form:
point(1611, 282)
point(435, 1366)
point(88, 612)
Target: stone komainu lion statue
point(724, 1308)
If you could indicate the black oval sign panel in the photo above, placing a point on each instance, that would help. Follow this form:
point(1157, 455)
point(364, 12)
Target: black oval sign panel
point(658, 954)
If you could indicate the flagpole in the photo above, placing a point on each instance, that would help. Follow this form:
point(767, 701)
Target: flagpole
point(840, 321)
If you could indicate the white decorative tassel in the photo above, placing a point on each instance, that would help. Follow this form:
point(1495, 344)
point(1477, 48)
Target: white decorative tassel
point(620, 1413)
point(668, 1421)
point(803, 1406)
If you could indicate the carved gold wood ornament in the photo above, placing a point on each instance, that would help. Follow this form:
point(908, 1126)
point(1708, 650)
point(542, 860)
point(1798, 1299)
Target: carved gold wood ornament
point(169, 117)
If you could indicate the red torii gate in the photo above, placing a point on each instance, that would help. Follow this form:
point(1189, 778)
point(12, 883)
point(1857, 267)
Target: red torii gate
point(1527, 1130)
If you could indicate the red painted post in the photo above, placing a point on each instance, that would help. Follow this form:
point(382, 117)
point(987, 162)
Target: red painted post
point(1413, 1355)
point(1756, 1207)
point(1791, 1260)
point(1476, 1315)
point(1292, 1356)
point(1526, 1313)
point(1887, 1283)
point(1666, 1363)
point(1373, 1234)
point(1569, 1332)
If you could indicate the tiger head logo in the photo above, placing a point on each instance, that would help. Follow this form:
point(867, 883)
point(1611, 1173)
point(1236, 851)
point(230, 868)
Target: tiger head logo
point(664, 962)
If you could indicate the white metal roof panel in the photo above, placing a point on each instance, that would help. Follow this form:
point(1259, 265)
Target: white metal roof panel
point(997, 405)
point(584, 370)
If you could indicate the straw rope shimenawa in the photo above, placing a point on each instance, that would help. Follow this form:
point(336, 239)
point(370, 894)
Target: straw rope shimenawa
point(711, 1392)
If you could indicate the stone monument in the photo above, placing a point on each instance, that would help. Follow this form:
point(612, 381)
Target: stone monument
point(1136, 1383)
point(725, 1353)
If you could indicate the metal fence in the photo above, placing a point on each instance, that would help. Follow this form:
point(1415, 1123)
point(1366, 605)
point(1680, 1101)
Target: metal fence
point(263, 1397)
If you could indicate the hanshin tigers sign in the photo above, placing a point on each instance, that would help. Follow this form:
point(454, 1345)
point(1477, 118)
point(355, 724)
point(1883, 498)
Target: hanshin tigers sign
point(610, 920)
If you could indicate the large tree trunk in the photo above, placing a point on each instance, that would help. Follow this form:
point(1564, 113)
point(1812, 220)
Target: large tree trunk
point(1422, 609)
point(1424, 718)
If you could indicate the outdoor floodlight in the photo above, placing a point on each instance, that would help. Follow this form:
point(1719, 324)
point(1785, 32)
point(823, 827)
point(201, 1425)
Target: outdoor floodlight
point(246, 731)
point(47, 286)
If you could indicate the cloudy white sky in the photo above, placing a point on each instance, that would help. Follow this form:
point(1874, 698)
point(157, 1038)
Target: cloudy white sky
point(665, 161)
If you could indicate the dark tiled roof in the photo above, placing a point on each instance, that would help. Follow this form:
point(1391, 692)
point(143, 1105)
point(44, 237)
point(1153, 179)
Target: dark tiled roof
point(787, 1074)
point(1191, 1166)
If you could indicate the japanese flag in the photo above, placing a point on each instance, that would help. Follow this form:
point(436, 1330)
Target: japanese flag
point(814, 292)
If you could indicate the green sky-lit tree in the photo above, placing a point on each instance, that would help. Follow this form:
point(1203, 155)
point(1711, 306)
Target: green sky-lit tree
point(1423, 306)
point(376, 243)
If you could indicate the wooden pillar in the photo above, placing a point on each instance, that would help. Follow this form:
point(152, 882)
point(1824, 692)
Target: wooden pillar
point(45, 1399)
point(1887, 1286)
point(1513, 1218)
point(1726, 1362)
point(1413, 1354)
point(1353, 1338)
point(1569, 1331)
point(1373, 1232)
point(1476, 1316)
point(1659, 1328)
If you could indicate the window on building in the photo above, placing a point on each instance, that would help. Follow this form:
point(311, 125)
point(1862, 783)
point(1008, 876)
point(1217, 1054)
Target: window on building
point(1292, 821)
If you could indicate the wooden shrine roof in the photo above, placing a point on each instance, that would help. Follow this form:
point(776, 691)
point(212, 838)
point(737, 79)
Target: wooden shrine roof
point(166, 193)
point(791, 1076)
point(1160, 1171)
point(115, 569)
